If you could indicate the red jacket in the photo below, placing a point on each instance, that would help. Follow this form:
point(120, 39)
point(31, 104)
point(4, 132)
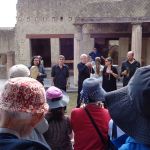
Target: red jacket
point(85, 135)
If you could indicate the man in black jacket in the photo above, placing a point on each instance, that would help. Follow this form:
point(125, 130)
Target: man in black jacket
point(129, 67)
point(84, 71)
point(60, 74)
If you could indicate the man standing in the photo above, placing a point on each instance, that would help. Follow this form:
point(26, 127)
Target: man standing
point(129, 67)
point(60, 74)
point(84, 70)
point(95, 53)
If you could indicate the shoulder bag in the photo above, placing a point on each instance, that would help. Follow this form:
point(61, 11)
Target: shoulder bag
point(109, 144)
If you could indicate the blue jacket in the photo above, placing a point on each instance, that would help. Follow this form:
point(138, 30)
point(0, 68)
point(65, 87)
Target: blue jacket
point(11, 142)
point(131, 144)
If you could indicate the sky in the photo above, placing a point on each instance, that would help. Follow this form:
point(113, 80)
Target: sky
point(7, 13)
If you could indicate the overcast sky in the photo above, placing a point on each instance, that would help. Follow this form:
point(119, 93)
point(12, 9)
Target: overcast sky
point(7, 13)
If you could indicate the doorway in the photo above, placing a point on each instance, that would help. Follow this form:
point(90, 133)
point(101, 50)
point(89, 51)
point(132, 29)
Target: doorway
point(67, 49)
point(42, 47)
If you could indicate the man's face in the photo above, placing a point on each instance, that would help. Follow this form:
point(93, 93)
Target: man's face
point(36, 61)
point(107, 62)
point(94, 49)
point(130, 56)
point(84, 59)
point(61, 61)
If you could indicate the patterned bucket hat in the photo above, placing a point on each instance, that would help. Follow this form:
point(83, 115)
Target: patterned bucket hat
point(23, 94)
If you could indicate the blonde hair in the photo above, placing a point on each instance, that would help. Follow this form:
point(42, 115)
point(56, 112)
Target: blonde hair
point(97, 64)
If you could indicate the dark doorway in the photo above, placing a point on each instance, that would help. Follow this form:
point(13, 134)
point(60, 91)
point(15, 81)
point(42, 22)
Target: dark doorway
point(102, 46)
point(42, 47)
point(66, 49)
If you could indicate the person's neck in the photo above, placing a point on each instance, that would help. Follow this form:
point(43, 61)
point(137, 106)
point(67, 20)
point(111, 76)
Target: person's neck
point(97, 104)
point(10, 131)
point(131, 61)
point(109, 66)
point(61, 65)
point(93, 103)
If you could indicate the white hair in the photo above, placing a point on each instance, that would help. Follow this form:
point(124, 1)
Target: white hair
point(83, 55)
point(17, 115)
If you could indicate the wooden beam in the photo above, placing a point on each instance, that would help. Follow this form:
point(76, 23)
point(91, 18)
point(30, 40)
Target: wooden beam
point(45, 36)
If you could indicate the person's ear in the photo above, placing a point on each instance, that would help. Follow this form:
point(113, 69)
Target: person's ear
point(36, 118)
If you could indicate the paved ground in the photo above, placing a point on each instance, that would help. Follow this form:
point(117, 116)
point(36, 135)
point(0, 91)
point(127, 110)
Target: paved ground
point(47, 83)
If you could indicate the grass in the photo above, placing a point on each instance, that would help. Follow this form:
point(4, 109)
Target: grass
point(72, 102)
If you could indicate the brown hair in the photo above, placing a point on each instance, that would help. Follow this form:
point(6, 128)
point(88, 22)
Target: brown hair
point(56, 114)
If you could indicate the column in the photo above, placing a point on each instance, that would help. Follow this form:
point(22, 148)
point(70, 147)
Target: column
point(10, 59)
point(137, 41)
point(88, 42)
point(3, 59)
point(147, 58)
point(77, 49)
point(144, 50)
point(54, 50)
point(123, 49)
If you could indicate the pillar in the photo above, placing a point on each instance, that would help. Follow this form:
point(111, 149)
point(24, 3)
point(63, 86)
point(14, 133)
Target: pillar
point(147, 58)
point(88, 42)
point(10, 59)
point(77, 50)
point(123, 49)
point(136, 44)
point(54, 50)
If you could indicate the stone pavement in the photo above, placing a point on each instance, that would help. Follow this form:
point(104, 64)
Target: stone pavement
point(47, 83)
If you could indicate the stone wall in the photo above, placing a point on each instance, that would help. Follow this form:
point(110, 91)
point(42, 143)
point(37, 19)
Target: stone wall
point(7, 40)
point(58, 17)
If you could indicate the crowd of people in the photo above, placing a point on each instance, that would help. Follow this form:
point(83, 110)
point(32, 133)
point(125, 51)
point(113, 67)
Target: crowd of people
point(34, 118)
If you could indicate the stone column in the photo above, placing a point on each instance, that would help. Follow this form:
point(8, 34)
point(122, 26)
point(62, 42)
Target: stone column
point(88, 42)
point(10, 59)
point(3, 59)
point(54, 50)
point(137, 41)
point(123, 49)
point(144, 50)
point(147, 58)
point(77, 50)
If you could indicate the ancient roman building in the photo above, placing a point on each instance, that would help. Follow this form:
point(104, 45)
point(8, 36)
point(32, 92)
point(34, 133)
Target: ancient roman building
point(72, 27)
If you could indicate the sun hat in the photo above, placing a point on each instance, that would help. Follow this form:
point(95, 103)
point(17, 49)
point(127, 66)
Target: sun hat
point(92, 91)
point(56, 98)
point(19, 70)
point(23, 94)
point(129, 106)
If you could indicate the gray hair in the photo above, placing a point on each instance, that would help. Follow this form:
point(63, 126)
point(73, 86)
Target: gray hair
point(83, 55)
point(17, 115)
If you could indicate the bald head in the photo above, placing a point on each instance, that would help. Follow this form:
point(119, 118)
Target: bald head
point(130, 55)
point(84, 58)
